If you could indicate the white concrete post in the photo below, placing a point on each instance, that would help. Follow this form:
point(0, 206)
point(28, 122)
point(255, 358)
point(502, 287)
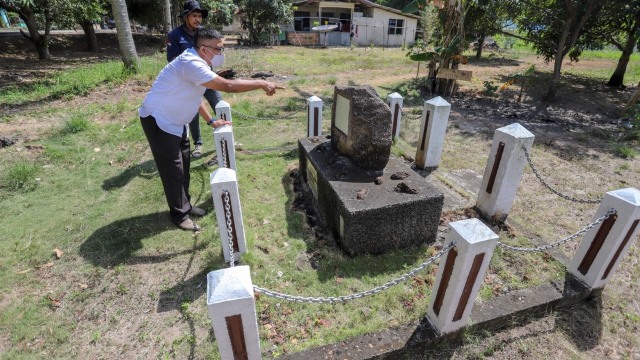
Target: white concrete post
point(460, 274)
point(225, 149)
point(223, 110)
point(395, 101)
point(504, 170)
point(226, 201)
point(435, 116)
point(314, 116)
point(604, 246)
point(232, 310)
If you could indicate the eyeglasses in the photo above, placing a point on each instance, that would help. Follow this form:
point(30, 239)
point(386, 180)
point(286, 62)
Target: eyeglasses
point(220, 49)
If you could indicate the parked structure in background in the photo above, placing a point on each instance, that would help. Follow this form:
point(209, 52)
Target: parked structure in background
point(358, 22)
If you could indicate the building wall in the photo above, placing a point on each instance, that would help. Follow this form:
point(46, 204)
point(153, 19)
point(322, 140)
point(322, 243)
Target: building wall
point(375, 29)
point(370, 27)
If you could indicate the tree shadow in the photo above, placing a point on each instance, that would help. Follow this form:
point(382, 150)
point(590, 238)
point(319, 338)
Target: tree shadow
point(115, 243)
point(146, 170)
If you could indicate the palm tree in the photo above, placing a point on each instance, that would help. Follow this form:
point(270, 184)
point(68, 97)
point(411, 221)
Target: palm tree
point(125, 38)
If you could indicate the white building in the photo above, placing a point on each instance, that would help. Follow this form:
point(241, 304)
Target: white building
point(359, 21)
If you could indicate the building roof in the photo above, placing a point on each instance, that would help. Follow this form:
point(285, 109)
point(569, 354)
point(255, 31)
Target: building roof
point(364, 3)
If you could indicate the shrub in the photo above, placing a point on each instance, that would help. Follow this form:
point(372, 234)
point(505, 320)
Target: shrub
point(20, 176)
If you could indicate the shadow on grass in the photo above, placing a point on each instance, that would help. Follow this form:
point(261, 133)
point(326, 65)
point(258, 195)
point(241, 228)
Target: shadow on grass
point(145, 170)
point(115, 243)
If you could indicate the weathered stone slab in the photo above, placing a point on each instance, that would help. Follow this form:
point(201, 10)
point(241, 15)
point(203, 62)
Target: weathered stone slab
point(361, 126)
point(367, 218)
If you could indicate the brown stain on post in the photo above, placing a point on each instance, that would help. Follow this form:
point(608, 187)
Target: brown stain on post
point(596, 244)
point(444, 281)
point(236, 335)
point(234, 236)
point(424, 132)
point(496, 165)
point(316, 132)
point(396, 111)
point(468, 286)
point(620, 248)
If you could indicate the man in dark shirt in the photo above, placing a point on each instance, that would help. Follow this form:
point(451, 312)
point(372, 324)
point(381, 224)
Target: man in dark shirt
point(180, 39)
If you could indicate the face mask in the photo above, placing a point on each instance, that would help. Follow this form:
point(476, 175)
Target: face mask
point(217, 61)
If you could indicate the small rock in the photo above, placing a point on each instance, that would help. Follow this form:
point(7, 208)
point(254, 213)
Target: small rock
point(378, 180)
point(404, 188)
point(360, 195)
point(400, 175)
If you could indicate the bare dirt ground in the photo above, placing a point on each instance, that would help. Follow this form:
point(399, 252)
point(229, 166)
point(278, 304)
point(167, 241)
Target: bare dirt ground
point(585, 112)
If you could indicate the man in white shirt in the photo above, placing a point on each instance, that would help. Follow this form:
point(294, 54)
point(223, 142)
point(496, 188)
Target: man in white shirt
point(168, 108)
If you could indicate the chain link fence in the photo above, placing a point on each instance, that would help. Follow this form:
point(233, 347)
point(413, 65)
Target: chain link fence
point(332, 300)
point(563, 241)
point(546, 184)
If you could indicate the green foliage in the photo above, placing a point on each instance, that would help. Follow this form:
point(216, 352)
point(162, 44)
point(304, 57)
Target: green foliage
point(489, 88)
point(259, 17)
point(75, 124)
point(556, 27)
point(20, 176)
point(221, 13)
point(625, 151)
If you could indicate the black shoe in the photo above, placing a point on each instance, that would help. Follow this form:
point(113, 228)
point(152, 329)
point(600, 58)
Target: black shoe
point(196, 211)
point(188, 224)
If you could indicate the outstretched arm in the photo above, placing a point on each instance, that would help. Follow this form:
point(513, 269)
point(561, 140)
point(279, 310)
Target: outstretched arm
point(236, 86)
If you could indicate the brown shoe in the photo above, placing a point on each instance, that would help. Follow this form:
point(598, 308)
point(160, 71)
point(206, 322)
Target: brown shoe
point(197, 211)
point(188, 224)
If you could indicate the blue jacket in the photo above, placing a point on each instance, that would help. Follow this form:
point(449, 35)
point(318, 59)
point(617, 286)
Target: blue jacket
point(178, 41)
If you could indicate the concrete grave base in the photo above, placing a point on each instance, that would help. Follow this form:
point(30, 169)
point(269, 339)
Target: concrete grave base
point(365, 217)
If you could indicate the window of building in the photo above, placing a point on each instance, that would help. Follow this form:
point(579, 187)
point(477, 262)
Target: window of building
point(396, 26)
point(301, 20)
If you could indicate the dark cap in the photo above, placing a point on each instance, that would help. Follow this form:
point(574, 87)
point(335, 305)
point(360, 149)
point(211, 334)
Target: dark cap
point(193, 5)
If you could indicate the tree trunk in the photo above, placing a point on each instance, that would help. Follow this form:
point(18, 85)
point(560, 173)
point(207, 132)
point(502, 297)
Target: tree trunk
point(41, 42)
point(167, 16)
point(125, 38)
point(565, 43)
point(617, 78)
point(480, 45)
point(89, 35)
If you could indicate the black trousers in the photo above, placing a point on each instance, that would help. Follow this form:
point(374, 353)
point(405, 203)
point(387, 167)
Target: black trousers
point(172, 157)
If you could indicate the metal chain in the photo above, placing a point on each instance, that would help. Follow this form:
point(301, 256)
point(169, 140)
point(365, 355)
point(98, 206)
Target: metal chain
point(224, 152)
point(411, 116)
point(535, 171)
point(289, 116)
point(331, 300)
point(599, 220)
point(227, 211)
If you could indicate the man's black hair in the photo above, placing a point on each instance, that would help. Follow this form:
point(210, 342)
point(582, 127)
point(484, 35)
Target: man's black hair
point(202, 33)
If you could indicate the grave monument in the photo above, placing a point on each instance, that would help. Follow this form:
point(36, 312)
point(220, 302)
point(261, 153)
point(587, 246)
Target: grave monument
point(372, 202)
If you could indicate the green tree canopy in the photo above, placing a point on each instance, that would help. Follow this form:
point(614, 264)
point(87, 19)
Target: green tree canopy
point(555, 28)
point(260, 17)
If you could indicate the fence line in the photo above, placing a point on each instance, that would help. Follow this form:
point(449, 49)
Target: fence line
point(468, 252)
point(546, 184)
point(598, 221)
point(373, 291)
